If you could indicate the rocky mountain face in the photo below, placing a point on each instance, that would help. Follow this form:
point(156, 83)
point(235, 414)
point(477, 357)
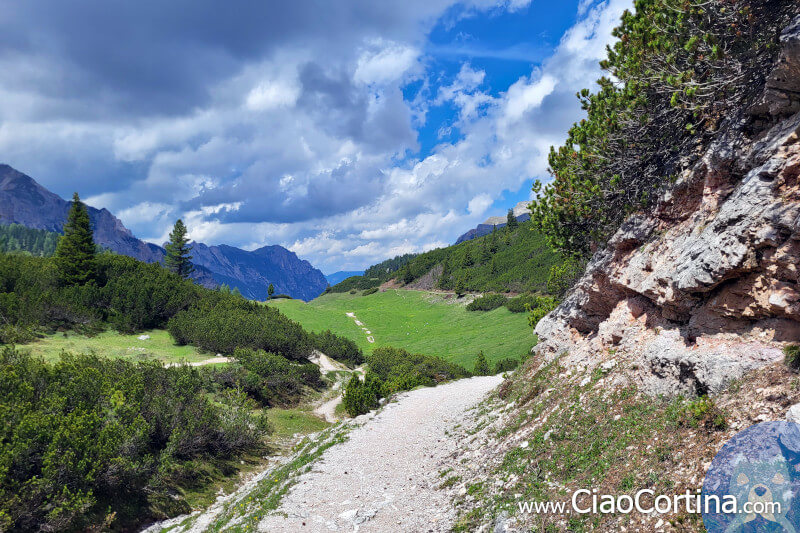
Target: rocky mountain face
point(521, 211)
point(252, 272)
point(705, 287)
point(24, 201)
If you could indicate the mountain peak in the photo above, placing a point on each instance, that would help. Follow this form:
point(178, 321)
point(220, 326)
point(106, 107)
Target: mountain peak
point(24, 201)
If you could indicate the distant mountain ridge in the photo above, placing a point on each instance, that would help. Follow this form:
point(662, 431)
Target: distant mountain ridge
point(24, 201)
point(521, 211)
point(342, 275)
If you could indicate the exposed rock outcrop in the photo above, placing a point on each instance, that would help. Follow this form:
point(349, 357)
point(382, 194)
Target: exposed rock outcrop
point(705, 287)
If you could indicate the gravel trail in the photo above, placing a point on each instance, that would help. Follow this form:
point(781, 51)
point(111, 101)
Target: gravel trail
point(385, 478)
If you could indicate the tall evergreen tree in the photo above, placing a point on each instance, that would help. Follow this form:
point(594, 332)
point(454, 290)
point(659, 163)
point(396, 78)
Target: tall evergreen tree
point(75, 253)
point(511, 220)
point(270, 290)
point(178, 259)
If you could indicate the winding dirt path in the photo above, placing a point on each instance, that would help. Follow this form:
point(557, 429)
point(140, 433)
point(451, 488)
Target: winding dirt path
point(386, 476)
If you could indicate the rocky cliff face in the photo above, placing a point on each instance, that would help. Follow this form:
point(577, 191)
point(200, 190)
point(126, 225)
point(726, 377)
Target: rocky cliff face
point(252, 272)
point(24, 201)
point(704, 288)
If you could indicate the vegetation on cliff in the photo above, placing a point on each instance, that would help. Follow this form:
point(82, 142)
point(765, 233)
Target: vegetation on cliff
point(678, 69)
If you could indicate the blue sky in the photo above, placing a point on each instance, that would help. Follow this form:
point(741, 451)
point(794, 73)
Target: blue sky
point(348, 132)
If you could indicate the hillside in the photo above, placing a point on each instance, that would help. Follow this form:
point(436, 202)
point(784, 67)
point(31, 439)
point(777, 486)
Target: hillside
point(419, 321)
point(506, 260)
point(683, 331)
point(25, 202)
point(521, 212)
point(18, 238)
point(342, 275)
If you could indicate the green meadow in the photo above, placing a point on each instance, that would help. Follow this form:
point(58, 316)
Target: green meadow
point(419, 321)
point(118, 346)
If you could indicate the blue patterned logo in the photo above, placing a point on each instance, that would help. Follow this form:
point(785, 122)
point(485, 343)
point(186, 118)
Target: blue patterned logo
point(754, 483)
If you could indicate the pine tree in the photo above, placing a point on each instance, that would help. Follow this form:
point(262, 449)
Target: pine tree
point(486, 254)
point(511, 220)
point(467, 261)
point(460, 290)
point(270, 290)
point(178, 259)
point(75, 253)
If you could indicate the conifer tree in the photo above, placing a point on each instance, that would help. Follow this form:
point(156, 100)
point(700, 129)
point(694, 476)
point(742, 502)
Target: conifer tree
point(75, 253)
point(270, 290)
point(178, 259)
point(511, 220)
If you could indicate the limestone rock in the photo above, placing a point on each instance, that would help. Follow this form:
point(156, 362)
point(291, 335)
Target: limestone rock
point(705, 287)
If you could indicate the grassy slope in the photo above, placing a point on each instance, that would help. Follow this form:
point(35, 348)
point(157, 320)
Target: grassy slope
point(417, 321)
point(115, 345)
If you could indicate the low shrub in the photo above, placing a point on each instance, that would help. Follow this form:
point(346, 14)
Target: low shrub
point(226, 324)
point(401, 370)
point(369, 291)
point(481, 366)
point(517, 304)
point(541, 306)
point(703, 412)
point(89, 440)
point(507, 364)
point(487, 302)
point(268, 378)
point(362, 397)
point(792, 356)
point(339, 348)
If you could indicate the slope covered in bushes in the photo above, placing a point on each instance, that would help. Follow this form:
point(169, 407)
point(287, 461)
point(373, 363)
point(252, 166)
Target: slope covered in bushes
point(129, 296)
point(90, 441)
point(515, 259)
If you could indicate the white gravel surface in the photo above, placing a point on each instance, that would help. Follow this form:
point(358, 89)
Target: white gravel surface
point(385, 478)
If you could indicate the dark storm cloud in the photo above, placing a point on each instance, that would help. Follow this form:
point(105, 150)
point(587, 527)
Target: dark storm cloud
point(162, 57)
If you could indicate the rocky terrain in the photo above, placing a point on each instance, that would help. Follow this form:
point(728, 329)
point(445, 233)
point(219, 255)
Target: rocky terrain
point(24, 201)
point(704, 288)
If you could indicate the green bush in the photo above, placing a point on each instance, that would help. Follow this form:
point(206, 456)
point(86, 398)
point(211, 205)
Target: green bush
point(518, 304)
point(481, 366)
point(677, 69)
point(268, 378)
point(367, 292)
point(703, 412)
point(487, 302)
point(563, 276)
point(340, 348)
point(507, 364)
point(89, 438)
point(792, 356)
point(226, 324)
point(400, 370)
point(362, 397)
point(540, 307)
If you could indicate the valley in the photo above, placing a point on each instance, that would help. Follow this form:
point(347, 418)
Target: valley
point(623, 326)
point(434, 323)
